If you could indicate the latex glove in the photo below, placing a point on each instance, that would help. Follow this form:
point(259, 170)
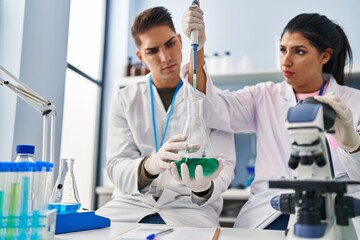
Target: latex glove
point(160, 161)
point(200, 183)
point(193, 19)
point(345, 134)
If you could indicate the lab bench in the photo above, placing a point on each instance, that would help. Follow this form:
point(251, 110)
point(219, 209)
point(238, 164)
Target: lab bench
point(234, 199)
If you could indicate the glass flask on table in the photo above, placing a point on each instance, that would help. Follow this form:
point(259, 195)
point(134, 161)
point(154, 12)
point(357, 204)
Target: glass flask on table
point(65, 196)
point(200, 150)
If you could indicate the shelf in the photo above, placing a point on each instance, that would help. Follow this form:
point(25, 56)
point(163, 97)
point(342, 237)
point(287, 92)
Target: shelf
point(258, 76)
point(104, 190)
point(245, 78)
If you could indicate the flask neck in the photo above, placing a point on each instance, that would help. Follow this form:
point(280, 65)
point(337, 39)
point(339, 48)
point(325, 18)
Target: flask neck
point(194, 106)
point(66, 165)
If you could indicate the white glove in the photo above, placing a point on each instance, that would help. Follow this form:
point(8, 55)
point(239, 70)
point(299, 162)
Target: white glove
point(193, 19)
point(160, 161)
point(345, 134)
point(200, 183)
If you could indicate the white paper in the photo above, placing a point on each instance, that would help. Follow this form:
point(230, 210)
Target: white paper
point(179, 233)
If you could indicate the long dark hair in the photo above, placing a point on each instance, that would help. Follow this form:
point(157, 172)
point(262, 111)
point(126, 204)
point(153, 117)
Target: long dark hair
point(324, 33)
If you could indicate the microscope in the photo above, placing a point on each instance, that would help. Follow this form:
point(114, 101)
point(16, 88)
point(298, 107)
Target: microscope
point(319, 206)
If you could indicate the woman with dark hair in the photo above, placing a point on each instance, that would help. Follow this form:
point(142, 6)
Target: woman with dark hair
point(314, 51)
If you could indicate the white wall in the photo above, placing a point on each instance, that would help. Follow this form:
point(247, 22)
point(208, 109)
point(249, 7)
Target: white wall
point(11, 26)
point(249, 27)
point(33, 43)
point(116, 59)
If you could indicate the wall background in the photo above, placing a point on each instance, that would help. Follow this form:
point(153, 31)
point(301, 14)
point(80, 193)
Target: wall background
point(250, 27)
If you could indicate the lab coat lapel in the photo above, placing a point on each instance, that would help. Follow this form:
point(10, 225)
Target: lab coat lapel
point(288, 95)
point(158, 105)
point(332, 87)
point(179, 97)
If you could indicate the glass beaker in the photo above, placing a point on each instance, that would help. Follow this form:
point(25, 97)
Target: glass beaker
point(65, 197)
point(200, 150)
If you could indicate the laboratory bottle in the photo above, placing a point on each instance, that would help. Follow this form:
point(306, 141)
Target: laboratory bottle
point(245, 64)
point(200, 151)
point(227, 63)
point(250, 172)
point(128, 67)
point(25, 153)
point(213, 65)
point(65, 197)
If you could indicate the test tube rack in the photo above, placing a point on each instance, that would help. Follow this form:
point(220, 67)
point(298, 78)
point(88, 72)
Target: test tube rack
point(37, 226)
point(24, 194)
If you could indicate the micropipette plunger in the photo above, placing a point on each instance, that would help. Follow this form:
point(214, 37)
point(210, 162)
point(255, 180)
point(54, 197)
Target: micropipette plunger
point(194, 36)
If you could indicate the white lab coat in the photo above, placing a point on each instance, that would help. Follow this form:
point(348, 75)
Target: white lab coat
point(130, 139)
point(262, 109)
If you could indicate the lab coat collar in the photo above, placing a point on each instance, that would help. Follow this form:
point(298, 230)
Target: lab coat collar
point(289, 95)
point(333, 85)
point(159, 107)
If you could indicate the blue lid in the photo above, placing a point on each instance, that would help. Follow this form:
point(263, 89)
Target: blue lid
point(29, 149)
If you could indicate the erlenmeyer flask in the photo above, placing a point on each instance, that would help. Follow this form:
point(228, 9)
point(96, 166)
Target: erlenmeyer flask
point(65, 197)
point(200, 150)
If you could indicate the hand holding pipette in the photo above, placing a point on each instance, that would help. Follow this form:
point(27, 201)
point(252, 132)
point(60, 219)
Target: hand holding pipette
point(193, 24)
point(194, 34)
point(194, 28)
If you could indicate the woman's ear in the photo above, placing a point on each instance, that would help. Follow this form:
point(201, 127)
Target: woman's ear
point(326, 55)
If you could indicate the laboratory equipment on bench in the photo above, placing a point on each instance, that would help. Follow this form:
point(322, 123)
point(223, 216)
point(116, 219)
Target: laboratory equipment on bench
point(65, 197)
point(319, 206)
point(40, 222)
point(45, 107)
point(25, 153)
point(65, 200)
point(200, 150)
point(22, 197)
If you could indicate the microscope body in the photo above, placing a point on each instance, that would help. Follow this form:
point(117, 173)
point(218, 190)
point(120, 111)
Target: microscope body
point(319, 208)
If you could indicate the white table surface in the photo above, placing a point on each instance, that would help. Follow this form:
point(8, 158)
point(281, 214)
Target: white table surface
point(117, 229)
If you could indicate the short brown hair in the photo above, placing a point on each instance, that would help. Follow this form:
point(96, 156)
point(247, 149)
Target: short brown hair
point(149, 18)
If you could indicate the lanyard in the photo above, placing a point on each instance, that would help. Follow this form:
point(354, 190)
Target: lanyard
point(322, 88)
point(321, 91)
point(169, 114)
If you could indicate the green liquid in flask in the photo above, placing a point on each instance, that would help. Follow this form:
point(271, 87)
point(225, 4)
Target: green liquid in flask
point(209, 165)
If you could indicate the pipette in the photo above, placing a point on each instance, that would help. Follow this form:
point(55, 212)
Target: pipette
point(194, 36)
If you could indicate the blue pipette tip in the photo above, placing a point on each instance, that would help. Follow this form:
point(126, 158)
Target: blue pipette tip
point(194, 47)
